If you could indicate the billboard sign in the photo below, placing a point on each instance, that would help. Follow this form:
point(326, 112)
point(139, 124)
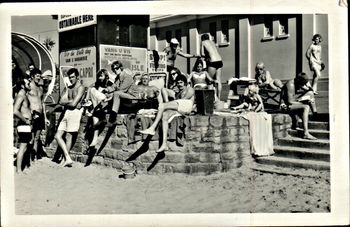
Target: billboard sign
point(156, 62)
point(83, 59)
point(69, 22)
point(132, 58)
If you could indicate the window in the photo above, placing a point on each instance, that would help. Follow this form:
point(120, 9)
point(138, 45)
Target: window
point(178, 36)
point(212, 31)
point(268, 27)
point(168, 36)
point(224, 32)
point(283, 28)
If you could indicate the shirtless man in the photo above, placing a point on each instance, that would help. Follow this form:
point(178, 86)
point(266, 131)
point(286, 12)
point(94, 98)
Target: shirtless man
point(70, 123)
point(214, 60)
point(35, 97)
point(24, 127)
point(171, 53)
point(182, 104)
point(299, 99)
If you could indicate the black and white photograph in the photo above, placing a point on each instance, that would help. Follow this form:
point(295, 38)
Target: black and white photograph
point(175, 113)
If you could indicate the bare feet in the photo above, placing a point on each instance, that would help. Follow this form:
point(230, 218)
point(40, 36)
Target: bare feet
point(148, 132)
point(162, 149)
point(68, 163)
point(308, 136)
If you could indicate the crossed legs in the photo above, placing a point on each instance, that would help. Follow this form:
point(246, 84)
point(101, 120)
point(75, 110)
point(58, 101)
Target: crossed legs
point(65, 146)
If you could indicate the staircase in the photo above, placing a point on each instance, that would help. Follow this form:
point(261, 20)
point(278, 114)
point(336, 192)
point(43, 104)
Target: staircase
point(293, 152)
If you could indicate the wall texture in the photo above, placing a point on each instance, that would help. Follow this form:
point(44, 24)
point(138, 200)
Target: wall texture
point(211, 144)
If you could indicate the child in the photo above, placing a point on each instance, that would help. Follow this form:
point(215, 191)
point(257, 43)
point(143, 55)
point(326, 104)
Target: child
point(252, 100)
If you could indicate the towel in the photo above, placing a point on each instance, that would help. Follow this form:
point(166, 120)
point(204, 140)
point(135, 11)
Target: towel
point(260, 128)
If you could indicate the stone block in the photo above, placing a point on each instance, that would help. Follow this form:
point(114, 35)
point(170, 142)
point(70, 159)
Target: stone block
point(243, 121)
point(278, 118)
point(229, 155)
point(202, 147)
point(231, 121)
point(245, 146)
point(82, 158)
point(182, 168)
point(237, 131)
point(193, 136)
point(216, 121)
point(199, 121)
point(192, 157)
point(108, 162)
point(110, 153)
point(217, 132)
point(174, 157)
point(117, 144)
point(209, 157)
point(228, 165)
point(98, 160)
point(122, 132)
point(147, 158)
point(206, 168)
point(212, 139)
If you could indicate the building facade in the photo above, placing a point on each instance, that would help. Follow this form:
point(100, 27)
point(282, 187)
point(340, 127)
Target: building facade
point(278, 40)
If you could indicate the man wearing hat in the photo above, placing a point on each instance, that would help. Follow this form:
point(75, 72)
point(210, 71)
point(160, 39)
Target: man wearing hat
point(298, 100)
point(172, 51)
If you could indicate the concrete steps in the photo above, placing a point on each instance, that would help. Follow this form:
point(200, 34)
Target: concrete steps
point(294, 152)
point(294, 163)
point(301, 153)
point(319, 134)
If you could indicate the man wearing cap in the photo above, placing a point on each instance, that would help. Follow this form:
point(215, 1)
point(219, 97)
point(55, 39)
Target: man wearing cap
point(299, 99)
point(172, 51)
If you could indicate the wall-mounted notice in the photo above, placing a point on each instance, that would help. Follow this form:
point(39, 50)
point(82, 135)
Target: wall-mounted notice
point(69, 22)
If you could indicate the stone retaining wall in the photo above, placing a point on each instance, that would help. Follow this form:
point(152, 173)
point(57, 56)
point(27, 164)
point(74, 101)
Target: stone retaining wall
point(212, 144)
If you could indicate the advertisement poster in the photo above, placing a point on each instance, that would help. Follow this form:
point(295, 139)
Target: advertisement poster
point(69, 22)
point(134, 59)
point(83, 59)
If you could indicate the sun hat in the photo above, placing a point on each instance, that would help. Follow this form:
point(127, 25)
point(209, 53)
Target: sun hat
point(174, 41)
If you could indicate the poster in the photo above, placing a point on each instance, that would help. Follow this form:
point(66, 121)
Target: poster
point(132, 58)
point(83, 59)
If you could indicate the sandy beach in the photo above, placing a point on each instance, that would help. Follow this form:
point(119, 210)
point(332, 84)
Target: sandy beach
point(47, 188)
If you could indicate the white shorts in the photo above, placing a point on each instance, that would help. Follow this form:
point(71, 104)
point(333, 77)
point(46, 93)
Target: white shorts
point(71, 121)
point(185, 106)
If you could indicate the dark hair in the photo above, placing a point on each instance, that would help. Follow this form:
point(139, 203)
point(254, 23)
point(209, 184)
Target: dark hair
point(176, 70)
point(103, 83)
point(116, 63)
point(317, 36)
point(34, 71)
point(205, 37)
point(301, 79)
point(199, 61)
point(181, 77)
point(73, 70)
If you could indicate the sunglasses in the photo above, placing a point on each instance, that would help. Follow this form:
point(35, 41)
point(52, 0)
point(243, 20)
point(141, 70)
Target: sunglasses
point(173, 73)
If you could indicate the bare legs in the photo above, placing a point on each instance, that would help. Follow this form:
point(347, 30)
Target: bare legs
point(216, 74)
point(164, 116)
point(317, 75)
point(95, 120)
point(65, 146)
point(303, 111)
point(21, 150)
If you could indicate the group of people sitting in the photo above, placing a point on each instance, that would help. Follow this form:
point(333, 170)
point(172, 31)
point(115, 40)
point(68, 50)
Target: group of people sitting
point(297, 97)
point(176, 98)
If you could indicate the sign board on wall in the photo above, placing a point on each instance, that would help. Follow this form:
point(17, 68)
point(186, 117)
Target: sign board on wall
point(161, 67)
point(83, 59)
point(69, 22)
point(132, 58)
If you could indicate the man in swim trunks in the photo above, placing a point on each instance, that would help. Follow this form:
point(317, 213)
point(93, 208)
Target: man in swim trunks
point(35, 97)
point(183, 104)
point(299, 99)
point(24, 127)
point(70, 123)
point(214, 60)
point(171, 53)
